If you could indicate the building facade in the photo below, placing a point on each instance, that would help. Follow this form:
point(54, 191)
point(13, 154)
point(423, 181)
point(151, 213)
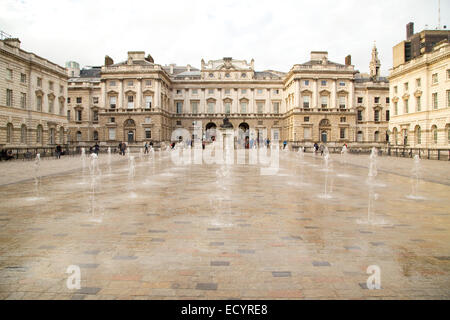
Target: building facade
point(138, 100)
point(420, 92)
point(33, 93)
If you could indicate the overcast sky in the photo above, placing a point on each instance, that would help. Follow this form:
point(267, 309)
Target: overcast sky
point(276, 33)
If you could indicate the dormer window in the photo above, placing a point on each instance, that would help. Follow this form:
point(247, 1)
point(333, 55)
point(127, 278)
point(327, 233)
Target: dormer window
point(227, 75)
point(243, 75)
point(211, 75)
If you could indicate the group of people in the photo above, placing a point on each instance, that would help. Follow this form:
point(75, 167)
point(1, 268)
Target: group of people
point(6, 154)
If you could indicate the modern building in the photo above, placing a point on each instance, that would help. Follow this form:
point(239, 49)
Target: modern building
point(33, 92)
point(138, 100)
point(420, 90)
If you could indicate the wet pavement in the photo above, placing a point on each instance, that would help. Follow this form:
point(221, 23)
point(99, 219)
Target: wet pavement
point(208, 231)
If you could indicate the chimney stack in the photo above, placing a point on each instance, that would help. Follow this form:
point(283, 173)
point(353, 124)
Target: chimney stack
point(171, 67)
point(348, 60)
point(108, 61)
point(188, 68)
point(409, 30)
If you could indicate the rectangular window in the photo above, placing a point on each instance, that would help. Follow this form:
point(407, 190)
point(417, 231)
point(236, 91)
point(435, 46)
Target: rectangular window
point(112, 83)
point(148, 83)
point(79, 100)
point(244, 91)
point(406, 86)
point(68, 100)
point(148, 133)
point(305, 102)
point(112, 102)
point(324, 101)
point(95, 116)
point(243, 107)
point(342, 84)
point(276, 107)
point(227, 107)
point(23, 100)
point(395, 108)
point(51, 105)
point(50, 85)
point(95, 100)
point(38, 103)
point(360, 116)
point(377, 99)
point(306, 82)
point(434, 78)
point(276, 91)
point(341, 102)
point(307, 133)
point(194, 91)
point(259, 91)
point(210, 107)
point(387, 100)
point(260, 107)
point(148, 120)
point(23, 78)
point(130, 100)
point(227, 91)
point(418, 83)
point(61, 89)
point(376, 115)
point(323, 82)
point(387, 115)
point(179, 106)
point(68, 115)
point(343, 119)
point(130, 83)
point(418, 104)
point(194, 106)
point(342, 133)
point(148, 102)
point(395, 89)
point(448, 76)
point(112, 133)
point(9, 97)
point(179, 91)
point(406, 106)
point(448, 98)
point(39, 82)
point(61, 107)
point(9, 74)
point(79, 115)
point(435, 100)
point(360, 99)
point(112, 119)
point(306, 119)
point(210, 91)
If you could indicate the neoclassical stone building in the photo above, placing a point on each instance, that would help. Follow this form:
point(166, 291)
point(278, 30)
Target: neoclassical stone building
point(33, 93)
point(420, 90)
point(138, 100)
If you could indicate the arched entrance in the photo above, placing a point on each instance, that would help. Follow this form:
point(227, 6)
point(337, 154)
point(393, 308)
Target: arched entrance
point(244, 133)
point(210, 131)
point(129, 127)
point(324, 130)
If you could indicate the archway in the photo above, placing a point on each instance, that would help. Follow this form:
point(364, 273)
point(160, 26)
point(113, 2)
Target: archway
point(325, 130)
point(129, 127)
point(210, 131)
point(244, 133)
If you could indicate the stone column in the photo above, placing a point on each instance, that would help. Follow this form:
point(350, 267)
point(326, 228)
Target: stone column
point(120, 97)
point(139, 94)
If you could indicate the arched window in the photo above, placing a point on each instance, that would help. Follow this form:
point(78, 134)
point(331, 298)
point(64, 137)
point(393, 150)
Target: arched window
point(434, 134)
point(448, 133)
point(360, 136)
point(9, 133)
point(418, 134)
point(78, 136)
point(96, 135)
point(23, 134)
point(39, 134)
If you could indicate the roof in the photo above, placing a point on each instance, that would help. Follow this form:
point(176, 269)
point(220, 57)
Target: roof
point(134, 62)
point(267, 74)
point(317, 62)
point(93, 72)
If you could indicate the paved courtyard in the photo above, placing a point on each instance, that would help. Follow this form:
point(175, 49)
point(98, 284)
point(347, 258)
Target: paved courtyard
point(224, 232)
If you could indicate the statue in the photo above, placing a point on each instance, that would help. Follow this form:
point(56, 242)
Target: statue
point(226, 124)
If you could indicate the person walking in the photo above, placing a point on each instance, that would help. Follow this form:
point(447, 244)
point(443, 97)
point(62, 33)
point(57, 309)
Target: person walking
point(146, 148)
point(58, 151)
point(96, 148)
point(284, 144)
